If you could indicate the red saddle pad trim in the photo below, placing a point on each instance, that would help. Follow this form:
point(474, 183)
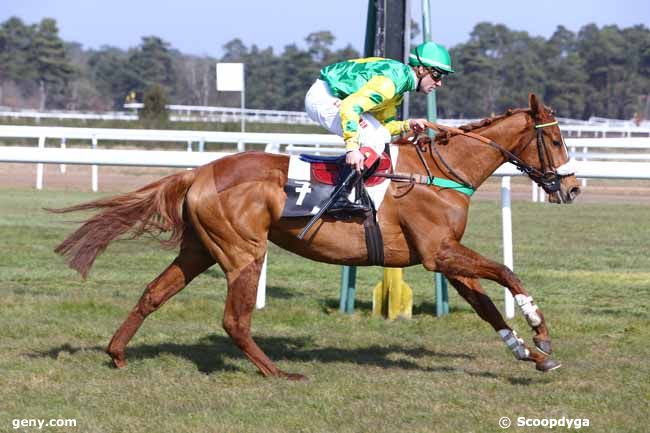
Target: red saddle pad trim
point(324, 172)
point(328, 173)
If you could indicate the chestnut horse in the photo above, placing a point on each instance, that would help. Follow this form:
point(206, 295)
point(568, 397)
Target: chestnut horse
point(225, 211)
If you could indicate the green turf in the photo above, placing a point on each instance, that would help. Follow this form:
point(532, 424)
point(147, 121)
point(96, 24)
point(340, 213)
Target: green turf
point(587, 265)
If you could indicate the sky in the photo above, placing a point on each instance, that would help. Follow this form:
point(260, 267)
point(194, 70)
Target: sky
point(202, 27)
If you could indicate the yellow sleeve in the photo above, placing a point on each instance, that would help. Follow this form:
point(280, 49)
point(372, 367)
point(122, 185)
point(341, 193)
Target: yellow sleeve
point(387, 118)
point(396, 127)
point(374, 92)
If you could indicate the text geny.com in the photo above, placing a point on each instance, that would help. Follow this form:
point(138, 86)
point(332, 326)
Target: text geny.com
point(40, 423)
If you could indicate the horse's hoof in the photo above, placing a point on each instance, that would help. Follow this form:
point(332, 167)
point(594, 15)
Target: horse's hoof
point(119, 363)
point(294, 376)
point(547, 365)
point(543, 346)
point(118, 360)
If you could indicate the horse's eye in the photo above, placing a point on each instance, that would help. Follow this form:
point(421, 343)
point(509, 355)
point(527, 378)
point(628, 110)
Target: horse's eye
point(557, 142)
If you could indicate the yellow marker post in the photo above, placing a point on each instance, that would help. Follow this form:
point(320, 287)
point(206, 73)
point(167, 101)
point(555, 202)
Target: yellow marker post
point(392, 298)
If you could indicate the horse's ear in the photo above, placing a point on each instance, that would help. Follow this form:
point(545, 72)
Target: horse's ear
point(536, 106)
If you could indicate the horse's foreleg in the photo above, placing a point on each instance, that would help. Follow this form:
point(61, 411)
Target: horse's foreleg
point(240, 302)
point(458, 260)
point(470, 289)
point(192, 260)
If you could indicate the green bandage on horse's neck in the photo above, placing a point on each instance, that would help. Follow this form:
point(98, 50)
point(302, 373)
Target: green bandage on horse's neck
point(451, 184)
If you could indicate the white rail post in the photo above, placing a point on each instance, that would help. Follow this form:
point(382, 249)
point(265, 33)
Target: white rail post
point(584, 151)
point(95, 170)
point(260, 302)
point(506, 224)
point(535, 190)
point(189, 149)
point(39, 167)
point(62, 166)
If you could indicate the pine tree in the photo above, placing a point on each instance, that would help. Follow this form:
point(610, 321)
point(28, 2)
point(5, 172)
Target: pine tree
point(151, 63)
point(154, 113)
point(53, 66)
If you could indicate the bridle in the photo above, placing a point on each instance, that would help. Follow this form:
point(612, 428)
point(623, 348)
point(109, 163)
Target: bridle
point(545, 176)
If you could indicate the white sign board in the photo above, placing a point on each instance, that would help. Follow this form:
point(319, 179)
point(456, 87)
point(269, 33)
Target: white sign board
point(230, 77)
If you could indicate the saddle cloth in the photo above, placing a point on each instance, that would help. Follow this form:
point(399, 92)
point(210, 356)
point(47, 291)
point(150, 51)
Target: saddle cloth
point(310, 184)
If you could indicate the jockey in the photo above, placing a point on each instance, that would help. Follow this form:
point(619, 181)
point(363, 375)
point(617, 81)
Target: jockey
point(357, 100)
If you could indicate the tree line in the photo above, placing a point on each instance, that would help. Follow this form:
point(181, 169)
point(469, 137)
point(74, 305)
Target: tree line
point(595, 72)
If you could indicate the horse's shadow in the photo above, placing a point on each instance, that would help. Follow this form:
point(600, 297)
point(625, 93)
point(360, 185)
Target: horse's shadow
point(421, 309)
point(215, 353)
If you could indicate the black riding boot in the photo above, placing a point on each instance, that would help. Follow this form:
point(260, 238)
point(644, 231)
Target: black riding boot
point(342, 206)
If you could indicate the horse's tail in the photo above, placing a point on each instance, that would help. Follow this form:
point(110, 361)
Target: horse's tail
point(153, 209)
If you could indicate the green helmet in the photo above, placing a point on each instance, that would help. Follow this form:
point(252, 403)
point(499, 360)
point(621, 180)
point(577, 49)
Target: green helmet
point(431, 55)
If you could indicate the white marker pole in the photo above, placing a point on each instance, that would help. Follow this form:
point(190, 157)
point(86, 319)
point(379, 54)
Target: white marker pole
point(62, 166)
point(506, 223)
point(260, 302)
point(39, 167)
point(95, 169)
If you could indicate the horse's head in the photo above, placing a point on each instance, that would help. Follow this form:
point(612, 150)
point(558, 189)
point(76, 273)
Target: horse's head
point(529, 138)
point(545, 152)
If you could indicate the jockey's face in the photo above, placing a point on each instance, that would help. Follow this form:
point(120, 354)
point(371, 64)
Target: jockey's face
point(427, 82)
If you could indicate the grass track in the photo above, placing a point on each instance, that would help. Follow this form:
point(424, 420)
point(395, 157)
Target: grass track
point(587, 265)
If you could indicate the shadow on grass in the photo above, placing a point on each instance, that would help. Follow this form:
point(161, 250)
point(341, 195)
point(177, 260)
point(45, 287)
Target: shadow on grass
point(282, 293)
point(214, 352)
point(419, 309)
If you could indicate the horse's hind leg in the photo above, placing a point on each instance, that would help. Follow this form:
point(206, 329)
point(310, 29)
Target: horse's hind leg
point(240, 302)
point(470, 289)
point(192, 260)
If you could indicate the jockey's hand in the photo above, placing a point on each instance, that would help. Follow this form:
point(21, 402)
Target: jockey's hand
point(417, 125)
point(355, 159)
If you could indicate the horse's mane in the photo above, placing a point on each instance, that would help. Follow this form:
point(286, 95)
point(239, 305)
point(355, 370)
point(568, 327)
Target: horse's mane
point(490, 120)
point(444, 136)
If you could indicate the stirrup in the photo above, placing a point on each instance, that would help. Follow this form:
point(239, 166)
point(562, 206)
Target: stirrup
point(344, 206)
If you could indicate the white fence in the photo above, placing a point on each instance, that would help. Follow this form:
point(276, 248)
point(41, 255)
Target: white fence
point(595, 127)
point(277, 142)
point(274, 141)
point(178, 113)
point(67, 115)
point(231, 114)
point(271, 142)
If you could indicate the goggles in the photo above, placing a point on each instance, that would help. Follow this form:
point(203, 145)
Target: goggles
point(437, 74)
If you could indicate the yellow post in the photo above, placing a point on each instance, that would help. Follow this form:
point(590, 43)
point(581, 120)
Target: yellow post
point(392, 298)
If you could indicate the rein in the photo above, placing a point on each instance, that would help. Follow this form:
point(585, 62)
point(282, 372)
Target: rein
point(548, 180)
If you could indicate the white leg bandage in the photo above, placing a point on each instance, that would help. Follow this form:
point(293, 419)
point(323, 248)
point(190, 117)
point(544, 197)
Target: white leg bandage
point(514, 343)
point(529, 310)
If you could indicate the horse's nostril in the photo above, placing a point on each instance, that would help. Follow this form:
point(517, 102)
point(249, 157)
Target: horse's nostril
point(574, 192)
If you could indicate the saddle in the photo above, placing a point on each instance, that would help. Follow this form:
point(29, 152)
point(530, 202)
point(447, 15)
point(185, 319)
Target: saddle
point(327, 169)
